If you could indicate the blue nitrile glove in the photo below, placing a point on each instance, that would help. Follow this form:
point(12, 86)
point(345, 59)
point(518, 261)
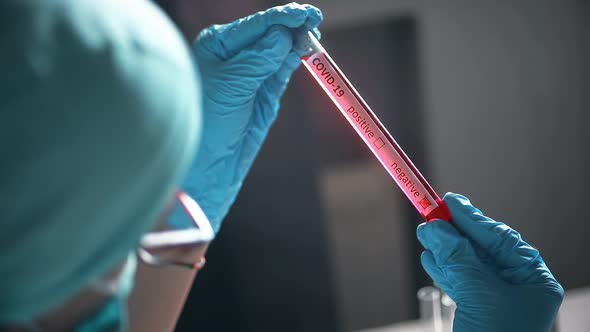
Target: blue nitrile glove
point(499, 282)
point(245, 67)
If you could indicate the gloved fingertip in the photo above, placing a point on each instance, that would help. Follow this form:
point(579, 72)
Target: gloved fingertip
point(294, 5)
point(457, 198)
point(427, 227)
point(276, 32)
point(460, 207)
point(430, 233)
point(292, 15)
point(442, 239)
point(301, 37)
point(427, 260)
point(314, 17)
point(439, 223)
point(277, 83)
point(420, 234)
point(316, 32)
point(313, 10)
point(279, 40)
point(293, 60)
point(429, 264)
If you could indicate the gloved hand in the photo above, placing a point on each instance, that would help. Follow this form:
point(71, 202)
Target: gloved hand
point(245, 67)
point(499, 282)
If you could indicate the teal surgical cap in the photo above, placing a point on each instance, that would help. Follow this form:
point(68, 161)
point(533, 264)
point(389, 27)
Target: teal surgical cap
point(99, 121)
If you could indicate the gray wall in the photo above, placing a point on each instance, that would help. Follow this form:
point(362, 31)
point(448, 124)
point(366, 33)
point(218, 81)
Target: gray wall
point(506, 99)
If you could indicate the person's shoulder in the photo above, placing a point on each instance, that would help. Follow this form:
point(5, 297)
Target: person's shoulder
point(60, 42)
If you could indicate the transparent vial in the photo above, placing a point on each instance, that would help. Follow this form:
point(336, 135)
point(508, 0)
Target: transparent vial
point(360, 116)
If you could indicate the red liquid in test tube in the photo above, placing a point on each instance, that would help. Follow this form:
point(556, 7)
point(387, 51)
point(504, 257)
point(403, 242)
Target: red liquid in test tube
point(371, 130)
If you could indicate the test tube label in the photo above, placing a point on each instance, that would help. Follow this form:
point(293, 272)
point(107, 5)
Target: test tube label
point(342, 94)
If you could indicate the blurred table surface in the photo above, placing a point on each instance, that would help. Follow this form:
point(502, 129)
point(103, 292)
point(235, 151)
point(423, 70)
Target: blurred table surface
point(573, 316)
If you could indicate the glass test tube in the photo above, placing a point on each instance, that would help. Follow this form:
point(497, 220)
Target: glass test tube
point(430, 307)
point(371, 130)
